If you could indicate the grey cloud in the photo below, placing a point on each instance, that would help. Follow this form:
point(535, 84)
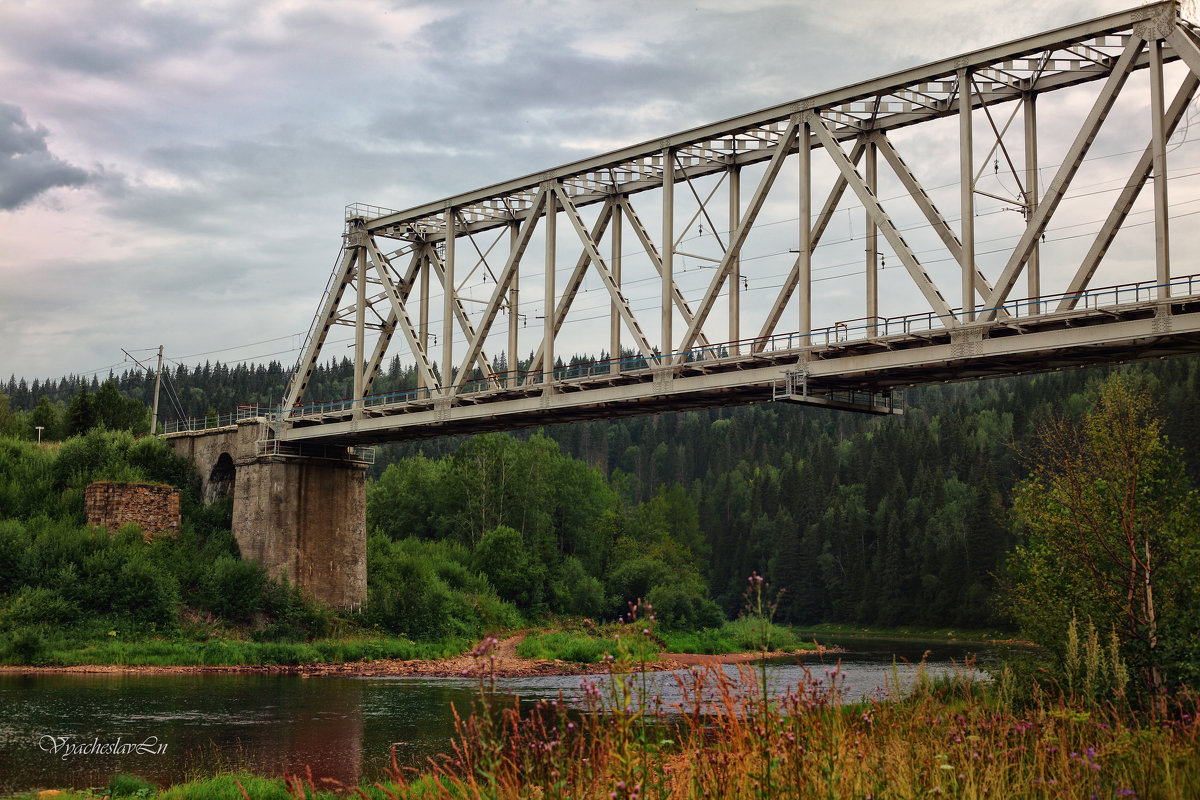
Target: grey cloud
point(27, 167)
point(110, 38)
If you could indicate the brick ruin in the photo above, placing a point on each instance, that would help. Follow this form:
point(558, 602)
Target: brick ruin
point(152, 506)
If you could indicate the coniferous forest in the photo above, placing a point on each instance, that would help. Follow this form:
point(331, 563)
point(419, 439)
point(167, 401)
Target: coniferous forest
point(901, 520)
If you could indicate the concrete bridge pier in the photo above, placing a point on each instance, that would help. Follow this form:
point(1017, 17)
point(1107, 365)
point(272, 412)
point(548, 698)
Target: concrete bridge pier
point(299, 510)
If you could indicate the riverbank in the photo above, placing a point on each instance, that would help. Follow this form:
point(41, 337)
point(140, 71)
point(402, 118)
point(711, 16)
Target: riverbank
point(498, 657)
point(565, 646)
point(834, 631)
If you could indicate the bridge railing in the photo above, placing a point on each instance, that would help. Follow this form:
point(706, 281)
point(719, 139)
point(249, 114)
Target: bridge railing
point(222, 420)
point(855, 330)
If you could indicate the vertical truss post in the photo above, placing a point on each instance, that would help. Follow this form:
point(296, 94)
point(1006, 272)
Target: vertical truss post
point(423, 333)
point(872, 265)
point(1162, 250)
point(804, 258)
point(448, 293)
point(668, 256)
point(1033, 267)
point(549, 304)
point(966, 261)
point(514, 294)
point(735, 271)
point(360, 320)
point(614, 319)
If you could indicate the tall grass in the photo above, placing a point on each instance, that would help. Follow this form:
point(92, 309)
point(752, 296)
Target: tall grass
point(948, 740)
point(589, 645)
point(232, 652)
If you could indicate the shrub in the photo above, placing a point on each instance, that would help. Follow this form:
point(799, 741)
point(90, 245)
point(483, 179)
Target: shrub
point(234, 588)
point(684, 606)
point(632, 580)
point(501, 555)
point(148, 592)
point(575, 592)
point(14, 541)
point(35, 605)
point(405, 595)
point(23, 645)
point(130, 786)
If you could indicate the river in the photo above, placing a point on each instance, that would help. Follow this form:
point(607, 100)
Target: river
point(170, 728)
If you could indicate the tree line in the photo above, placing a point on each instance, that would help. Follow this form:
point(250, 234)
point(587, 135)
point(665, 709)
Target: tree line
point(885, 521)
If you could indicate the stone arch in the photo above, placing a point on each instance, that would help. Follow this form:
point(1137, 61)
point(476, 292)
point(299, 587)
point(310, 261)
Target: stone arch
point(221, 479)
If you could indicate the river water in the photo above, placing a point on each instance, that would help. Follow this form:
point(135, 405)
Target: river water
point(170, 728)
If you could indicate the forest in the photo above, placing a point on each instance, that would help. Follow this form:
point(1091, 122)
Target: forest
point(902, 520)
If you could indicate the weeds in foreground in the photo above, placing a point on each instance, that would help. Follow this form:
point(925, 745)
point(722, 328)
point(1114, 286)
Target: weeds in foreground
point(731, 736)
point(948, 738)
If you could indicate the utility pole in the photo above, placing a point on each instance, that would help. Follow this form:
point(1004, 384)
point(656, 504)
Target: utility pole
point(157, 383)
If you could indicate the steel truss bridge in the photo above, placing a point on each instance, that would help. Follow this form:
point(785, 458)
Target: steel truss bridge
point(400, 274)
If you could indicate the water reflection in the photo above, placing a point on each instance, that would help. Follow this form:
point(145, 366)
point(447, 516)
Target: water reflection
point(344, 728)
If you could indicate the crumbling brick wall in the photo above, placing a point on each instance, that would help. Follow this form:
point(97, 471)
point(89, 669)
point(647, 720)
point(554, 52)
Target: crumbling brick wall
point(152, 506)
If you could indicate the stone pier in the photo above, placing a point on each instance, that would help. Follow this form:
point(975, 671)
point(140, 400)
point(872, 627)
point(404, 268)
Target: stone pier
point(301, 512)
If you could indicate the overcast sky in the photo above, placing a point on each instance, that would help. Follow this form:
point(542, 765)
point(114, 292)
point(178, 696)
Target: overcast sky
point(176, 172)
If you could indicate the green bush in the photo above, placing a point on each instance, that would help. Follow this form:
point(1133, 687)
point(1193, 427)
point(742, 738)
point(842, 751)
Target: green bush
point(405, 595)
point(124, 785)
point(632, 581)
point(23, 645)
point(35, 605)
point(279, 632)
point(14, 541)
point(234, 588)
point(684, 606)
point(575, 592)
point(26, 481)
point(148, 592)
point(501, 555)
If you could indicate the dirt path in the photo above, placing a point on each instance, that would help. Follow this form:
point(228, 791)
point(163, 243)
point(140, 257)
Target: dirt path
point(489, 657)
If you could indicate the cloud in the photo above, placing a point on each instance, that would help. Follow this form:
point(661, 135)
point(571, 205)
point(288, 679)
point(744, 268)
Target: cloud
point(218, 141)
point(27, 167)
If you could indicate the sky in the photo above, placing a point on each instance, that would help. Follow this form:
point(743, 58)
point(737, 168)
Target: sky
point(175, 173)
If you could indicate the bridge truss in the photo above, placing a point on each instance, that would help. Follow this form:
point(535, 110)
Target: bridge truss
point(451, 280)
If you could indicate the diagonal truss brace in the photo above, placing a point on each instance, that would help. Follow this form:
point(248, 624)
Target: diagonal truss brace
point(936, 221)
point(884, 222)
point(572, 288)
point(1062, 179)
point(389, 327)
point(655, 257)
point(327, 315)
point(614, 291)
point(394, 296)
point(500, 294)
point(1190, 54)
point(818, 230)
point(460, 312)
point(783, 146)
